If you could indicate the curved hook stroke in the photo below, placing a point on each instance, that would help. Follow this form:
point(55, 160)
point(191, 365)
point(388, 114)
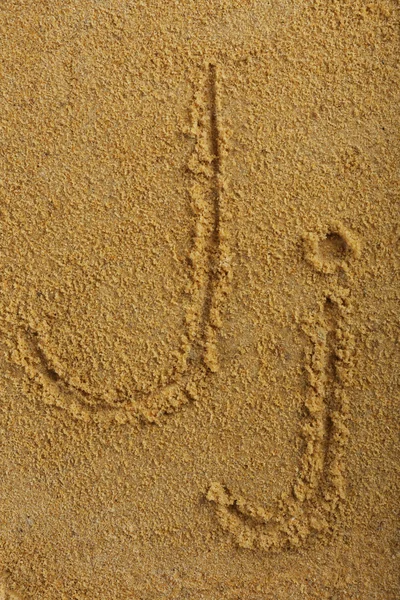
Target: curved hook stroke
point(314, 503)
point(209, 284)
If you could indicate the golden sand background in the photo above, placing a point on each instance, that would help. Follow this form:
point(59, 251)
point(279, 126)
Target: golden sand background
point(199, 299)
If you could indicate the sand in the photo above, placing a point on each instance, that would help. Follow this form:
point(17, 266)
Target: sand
point(199, 285)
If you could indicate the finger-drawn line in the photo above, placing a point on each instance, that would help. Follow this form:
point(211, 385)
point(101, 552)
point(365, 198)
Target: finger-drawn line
point(313, 505)
point(222, 272)
point(210, 276)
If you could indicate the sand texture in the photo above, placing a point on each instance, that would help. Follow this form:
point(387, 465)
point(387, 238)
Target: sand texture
point(199, 298)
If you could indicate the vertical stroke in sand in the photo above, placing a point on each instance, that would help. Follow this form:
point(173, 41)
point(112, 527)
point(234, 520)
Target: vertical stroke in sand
point(221, 268)
point(210, 256)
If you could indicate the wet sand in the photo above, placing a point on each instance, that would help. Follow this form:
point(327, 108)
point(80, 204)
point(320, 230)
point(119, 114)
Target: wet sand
point(199, 213)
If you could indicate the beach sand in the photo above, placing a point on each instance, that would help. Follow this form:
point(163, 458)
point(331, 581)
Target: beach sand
point(199, 285)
